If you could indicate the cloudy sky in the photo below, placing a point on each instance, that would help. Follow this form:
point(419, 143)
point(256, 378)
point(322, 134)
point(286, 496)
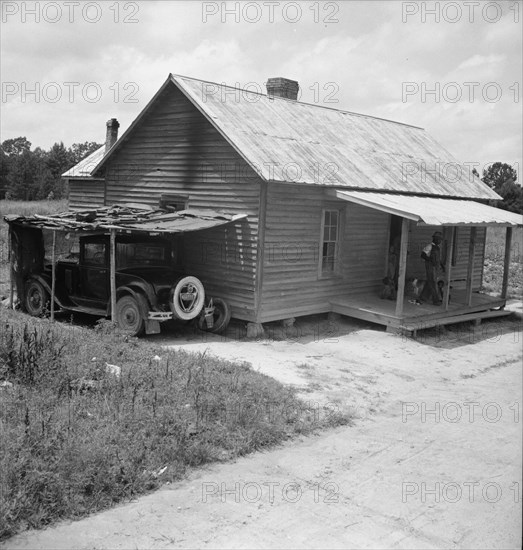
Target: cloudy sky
point(453, 68)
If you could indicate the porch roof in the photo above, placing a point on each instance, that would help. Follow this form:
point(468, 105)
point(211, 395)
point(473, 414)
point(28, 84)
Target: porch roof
point(432, 211)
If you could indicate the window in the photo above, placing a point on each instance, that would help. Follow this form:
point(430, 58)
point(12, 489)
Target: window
point(141, 254)
point(174, 203)
point(94, 253)
point(330, 241)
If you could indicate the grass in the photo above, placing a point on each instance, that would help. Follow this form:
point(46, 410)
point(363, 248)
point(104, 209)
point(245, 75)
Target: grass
point(77, 438)
point(494, 257)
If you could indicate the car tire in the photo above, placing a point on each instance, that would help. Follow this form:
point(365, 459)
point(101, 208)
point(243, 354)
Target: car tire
point(187, 298)
point(222, 317)
point(129, 317)
point(36, 298)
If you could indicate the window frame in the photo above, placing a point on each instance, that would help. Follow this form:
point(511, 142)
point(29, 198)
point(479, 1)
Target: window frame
point(167, 199)
point(335, 272)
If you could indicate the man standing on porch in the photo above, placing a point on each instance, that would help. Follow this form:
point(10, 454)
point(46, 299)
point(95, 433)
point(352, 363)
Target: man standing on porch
point(433, 268)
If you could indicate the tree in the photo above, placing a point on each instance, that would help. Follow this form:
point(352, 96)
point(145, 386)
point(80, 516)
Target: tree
point(16, 146)
point(4, 172)
point(512, 197)
point(25, 173)
point(502, 178)
point(497, 174)
point(78, 151)
point(34, 175)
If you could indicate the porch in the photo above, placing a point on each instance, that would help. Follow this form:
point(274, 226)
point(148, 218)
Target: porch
point(463, 269)
point(414, 317)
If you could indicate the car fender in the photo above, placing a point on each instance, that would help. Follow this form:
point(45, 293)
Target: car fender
point(46, 283)
point(151, 326)
point(135, 292)
point(143, 287)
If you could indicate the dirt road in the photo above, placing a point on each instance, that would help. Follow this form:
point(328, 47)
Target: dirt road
point(432, 461)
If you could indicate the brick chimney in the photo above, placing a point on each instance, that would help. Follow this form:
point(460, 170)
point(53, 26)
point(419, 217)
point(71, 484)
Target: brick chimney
point(282, 87)
point(112, 133)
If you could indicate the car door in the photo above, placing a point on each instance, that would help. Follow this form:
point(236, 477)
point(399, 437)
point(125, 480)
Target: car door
point(94, 272)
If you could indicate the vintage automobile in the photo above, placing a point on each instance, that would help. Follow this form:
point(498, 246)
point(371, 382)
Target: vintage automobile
point(149, 289)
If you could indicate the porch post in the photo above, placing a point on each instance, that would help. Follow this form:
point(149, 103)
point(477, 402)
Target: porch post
point(448, 268)
point(470, 269)
point(506, 263)
point(113, 273)
point(402, 266)
point(53, 274)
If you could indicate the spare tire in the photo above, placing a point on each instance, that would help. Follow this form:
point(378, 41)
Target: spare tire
point(186, 298)
point(221, 316)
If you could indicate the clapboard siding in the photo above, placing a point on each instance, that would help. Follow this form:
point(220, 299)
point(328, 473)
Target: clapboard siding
point(86, 194)
point(420, 236)
point(175, 150)
point(292, 284)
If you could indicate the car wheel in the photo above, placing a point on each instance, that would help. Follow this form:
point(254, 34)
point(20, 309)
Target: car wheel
point(186, 298)
point(36, 298)
point(128, 316)
point(221, 316)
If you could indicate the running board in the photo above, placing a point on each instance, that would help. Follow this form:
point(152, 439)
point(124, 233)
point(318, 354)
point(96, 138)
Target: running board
point(88, 310)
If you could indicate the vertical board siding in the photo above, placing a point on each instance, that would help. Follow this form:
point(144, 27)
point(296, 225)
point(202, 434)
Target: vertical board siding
point(175, 150)
point(86, 194)
point(420, 236)
point(292, 284)
point(366, 248)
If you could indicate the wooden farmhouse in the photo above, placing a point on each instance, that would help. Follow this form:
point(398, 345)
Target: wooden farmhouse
point(326, 192)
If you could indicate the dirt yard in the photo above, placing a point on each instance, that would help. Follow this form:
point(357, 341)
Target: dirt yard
point(433, 459)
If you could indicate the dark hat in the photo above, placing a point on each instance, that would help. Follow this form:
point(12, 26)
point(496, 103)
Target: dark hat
point(438, 234)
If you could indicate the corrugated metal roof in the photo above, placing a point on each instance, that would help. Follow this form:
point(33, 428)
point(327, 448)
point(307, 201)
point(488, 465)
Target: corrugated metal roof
point(129, 220)
point(293, 142)
point(290, 141)
point(86, 166)
point(432, 211)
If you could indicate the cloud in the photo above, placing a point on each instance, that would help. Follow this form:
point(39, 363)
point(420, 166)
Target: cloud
point(361, 63)
point(481, 60)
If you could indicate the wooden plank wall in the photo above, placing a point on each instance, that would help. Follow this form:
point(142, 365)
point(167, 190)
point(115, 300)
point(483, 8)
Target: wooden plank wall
point(175, 150)
point(291, 284)
point(86, 194)
point(365, 250)
point(420, 236)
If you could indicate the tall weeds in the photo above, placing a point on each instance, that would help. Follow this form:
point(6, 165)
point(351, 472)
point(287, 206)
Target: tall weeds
point(76, 438)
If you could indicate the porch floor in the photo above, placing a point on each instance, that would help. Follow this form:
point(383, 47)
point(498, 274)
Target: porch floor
point(370, 307)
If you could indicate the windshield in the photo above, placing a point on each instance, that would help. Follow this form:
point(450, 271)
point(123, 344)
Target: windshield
point(142, 254)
